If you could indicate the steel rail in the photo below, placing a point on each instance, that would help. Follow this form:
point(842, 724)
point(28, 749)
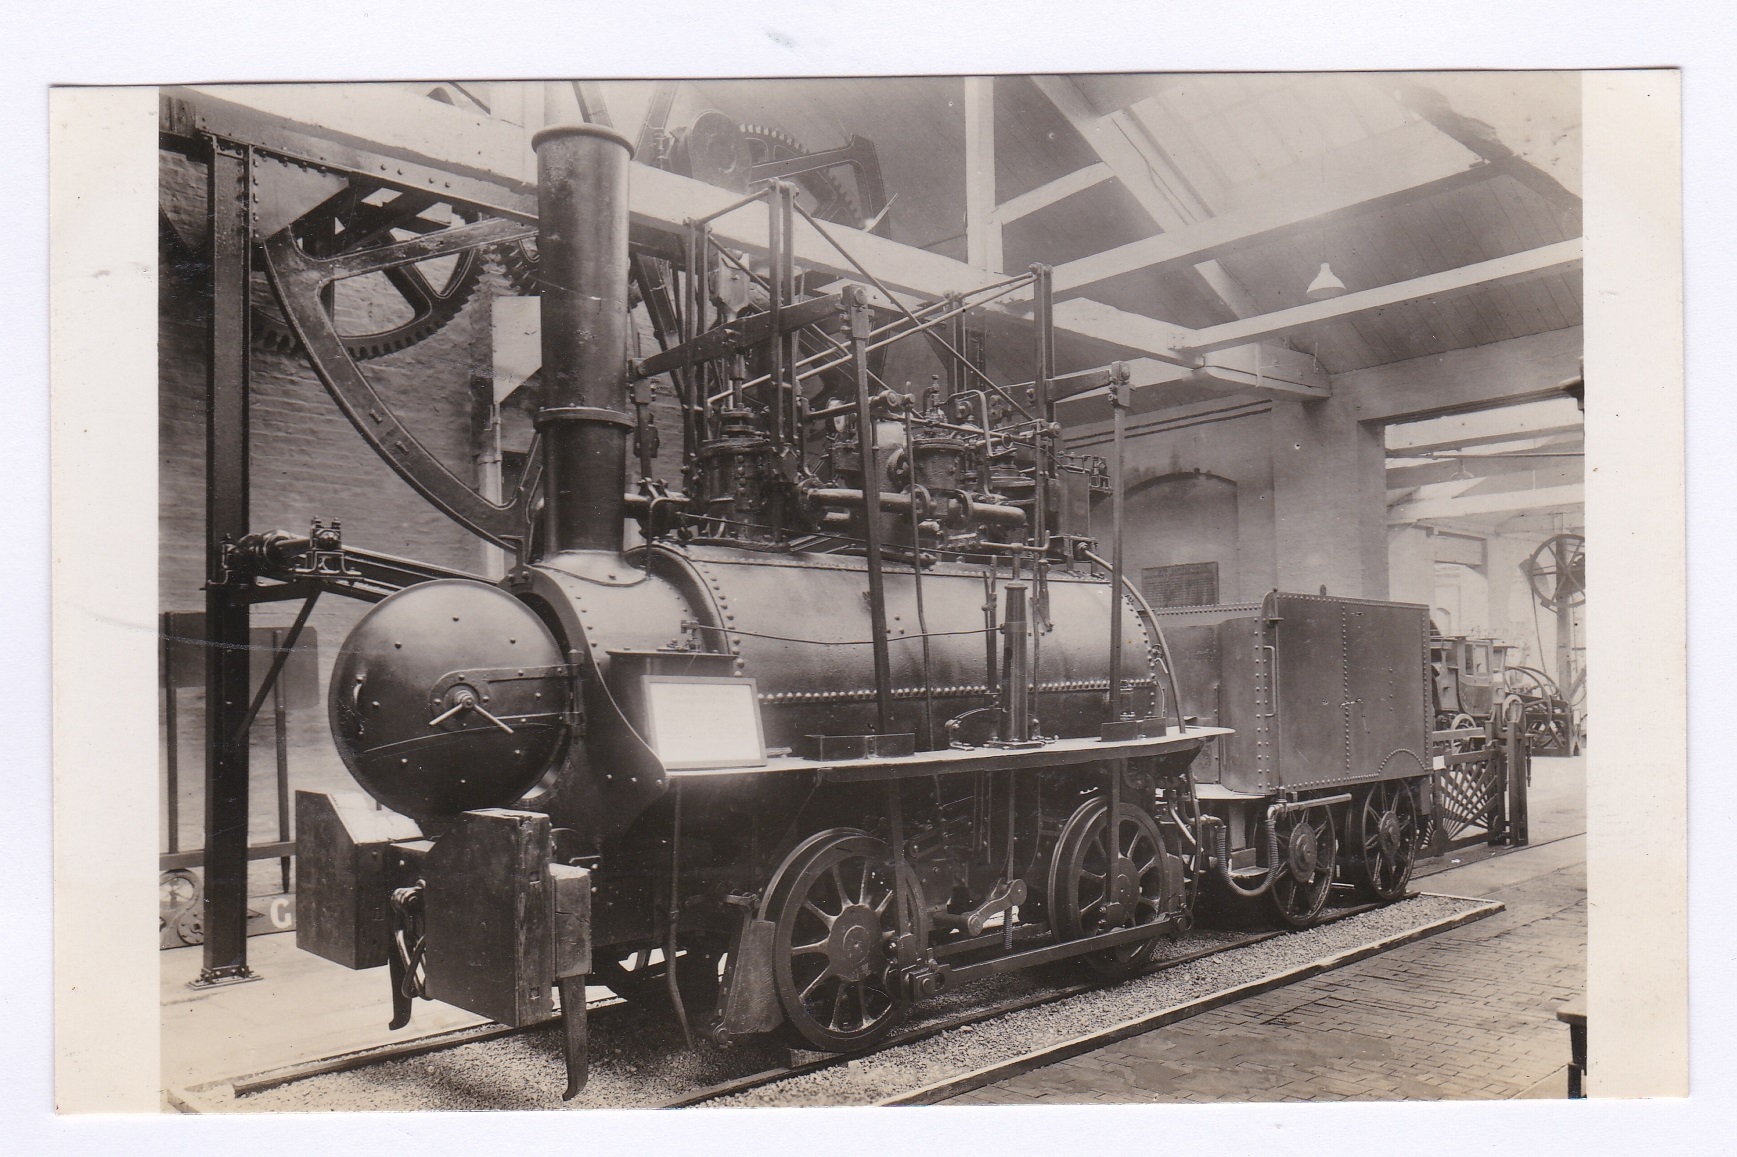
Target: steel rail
point(615, 1007)
point(949, 1087)
point(397, 1050)
point(989, 1012)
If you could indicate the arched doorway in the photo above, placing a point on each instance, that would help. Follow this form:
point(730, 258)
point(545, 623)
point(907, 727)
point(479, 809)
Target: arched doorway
point(1181, 541)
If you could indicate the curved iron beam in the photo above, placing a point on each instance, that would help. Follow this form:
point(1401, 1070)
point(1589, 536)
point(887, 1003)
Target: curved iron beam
point(299, 280)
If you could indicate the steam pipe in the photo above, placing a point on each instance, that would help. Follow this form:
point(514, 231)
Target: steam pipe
point(1274, 863)
point(869, 454)
point(1043, 359)
point(1118, 406)
point(1150, 618)
point(901, 502)
point(582, 245)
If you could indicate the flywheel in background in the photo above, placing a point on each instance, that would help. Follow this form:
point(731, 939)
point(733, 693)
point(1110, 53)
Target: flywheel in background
point(1557, 571)
point(825, 197)
point(719, 152)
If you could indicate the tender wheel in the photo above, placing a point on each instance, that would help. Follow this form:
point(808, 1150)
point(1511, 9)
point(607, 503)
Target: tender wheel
point(1308, 847)
point(1101, 880)
point(833, 947)
point(1386, 832)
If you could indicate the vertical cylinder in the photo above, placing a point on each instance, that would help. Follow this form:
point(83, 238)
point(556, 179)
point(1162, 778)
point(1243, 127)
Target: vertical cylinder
point(1119, 398)
point(582, 249)
point(171, 734)
point(869, 452)
point(1016, 692)
point(280, 732)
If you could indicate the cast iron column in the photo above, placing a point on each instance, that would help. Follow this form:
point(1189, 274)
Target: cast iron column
point(226, 609)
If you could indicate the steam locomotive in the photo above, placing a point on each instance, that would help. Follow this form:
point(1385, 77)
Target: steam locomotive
point(858, 712)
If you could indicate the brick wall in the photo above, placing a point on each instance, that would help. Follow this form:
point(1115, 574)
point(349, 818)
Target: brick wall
point(307, 462)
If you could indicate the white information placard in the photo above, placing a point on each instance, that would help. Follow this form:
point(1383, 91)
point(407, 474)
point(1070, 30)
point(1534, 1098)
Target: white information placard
point(694, 721)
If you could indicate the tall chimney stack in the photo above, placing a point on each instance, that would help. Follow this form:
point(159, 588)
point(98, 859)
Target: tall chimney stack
point(582, 249)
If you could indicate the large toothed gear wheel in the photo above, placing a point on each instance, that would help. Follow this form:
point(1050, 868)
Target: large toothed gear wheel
point(518, 262)
point(364, 216)
point(826, 198)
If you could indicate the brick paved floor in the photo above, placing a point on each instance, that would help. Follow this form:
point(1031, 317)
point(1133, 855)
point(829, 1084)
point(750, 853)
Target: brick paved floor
point(1469, 1014)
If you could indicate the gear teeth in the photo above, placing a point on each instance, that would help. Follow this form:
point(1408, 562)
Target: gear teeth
point(777, 139)
point(519, 266)
point(274, 332)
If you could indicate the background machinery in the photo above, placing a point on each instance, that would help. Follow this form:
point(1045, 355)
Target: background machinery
point(1555, 707)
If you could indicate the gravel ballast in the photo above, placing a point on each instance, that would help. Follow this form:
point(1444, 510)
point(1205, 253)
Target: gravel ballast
point(638, 1059)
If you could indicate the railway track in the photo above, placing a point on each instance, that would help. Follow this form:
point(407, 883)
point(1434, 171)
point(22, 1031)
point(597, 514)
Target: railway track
point(987, 1012)
point(397, 1068)
point(936, 1092)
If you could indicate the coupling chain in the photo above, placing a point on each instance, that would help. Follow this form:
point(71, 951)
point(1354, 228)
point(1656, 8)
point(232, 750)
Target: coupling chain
point(409, 939)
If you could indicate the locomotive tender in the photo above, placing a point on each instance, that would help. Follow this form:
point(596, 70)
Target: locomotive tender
point(960, 741)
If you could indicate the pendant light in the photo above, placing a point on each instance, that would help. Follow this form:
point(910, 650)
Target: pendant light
point(1325, 285)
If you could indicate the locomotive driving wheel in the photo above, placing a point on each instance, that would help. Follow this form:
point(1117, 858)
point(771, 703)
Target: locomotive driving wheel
point(1307, 848)
point(1385, 835)
point(1101, 880)
point(834, 956)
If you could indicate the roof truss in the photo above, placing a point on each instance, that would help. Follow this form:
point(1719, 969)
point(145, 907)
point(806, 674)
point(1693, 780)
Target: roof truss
point(482, 153)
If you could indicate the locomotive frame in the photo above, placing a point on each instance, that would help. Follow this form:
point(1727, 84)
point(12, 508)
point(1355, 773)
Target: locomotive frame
point(882, 853)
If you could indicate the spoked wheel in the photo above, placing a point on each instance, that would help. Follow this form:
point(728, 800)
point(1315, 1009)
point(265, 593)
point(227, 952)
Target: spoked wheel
point(179, 911)
point(1307, 848)
point(1549, 720)
point(1102, 880)
point(1464, 722)
point(1385, 834)
point(834, 944)
point(635, 977)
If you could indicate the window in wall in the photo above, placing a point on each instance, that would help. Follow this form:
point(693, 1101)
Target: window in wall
point(513, 465)
point(1188, 584)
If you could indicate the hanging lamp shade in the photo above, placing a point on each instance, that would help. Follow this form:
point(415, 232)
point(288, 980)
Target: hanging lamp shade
point(1325, 285)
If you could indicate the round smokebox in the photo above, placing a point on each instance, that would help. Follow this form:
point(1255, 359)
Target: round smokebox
point(449, 696)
